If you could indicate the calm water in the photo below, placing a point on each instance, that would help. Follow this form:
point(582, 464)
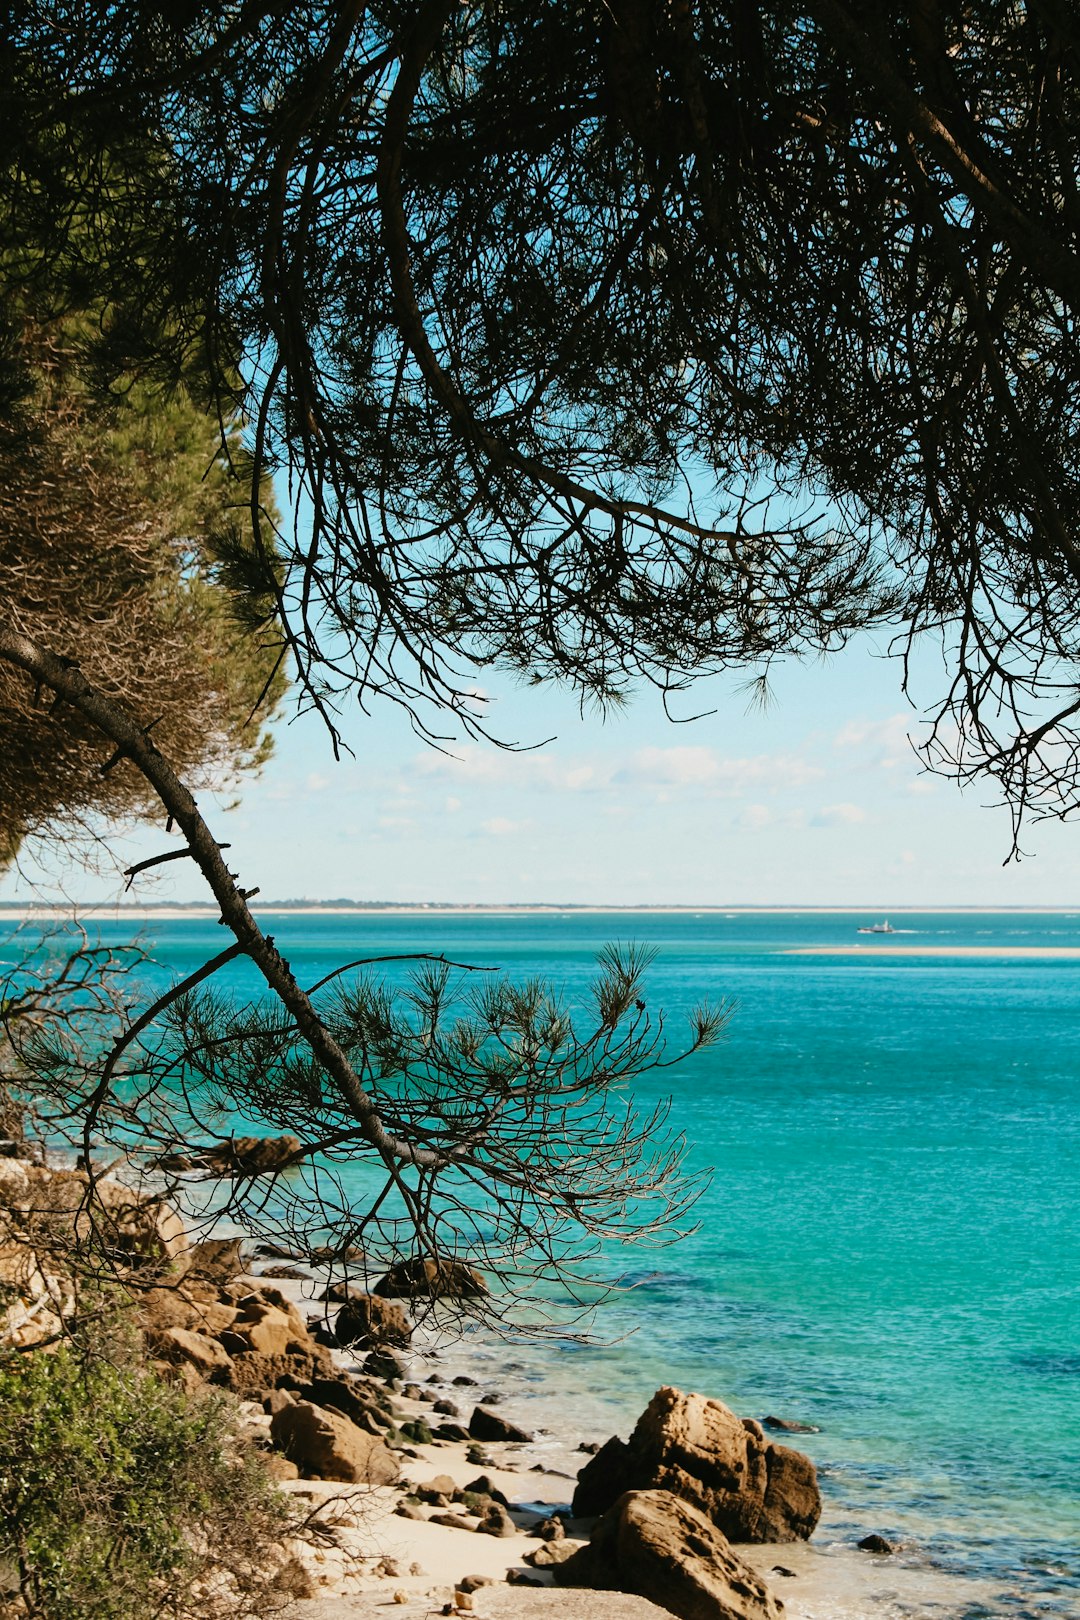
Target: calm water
point(890, 1245)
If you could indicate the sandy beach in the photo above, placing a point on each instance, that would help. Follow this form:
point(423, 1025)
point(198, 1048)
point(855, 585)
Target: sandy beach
point(388, 1564)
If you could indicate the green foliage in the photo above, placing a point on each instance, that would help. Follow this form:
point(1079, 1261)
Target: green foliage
point(127, 538)
point(122, 1497)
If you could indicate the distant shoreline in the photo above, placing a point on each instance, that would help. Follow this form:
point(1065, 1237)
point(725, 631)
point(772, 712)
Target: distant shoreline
point(199, 911)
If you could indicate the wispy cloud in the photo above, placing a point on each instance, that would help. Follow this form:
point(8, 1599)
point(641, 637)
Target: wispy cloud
point(838, 815)
point(502, 826)
point(666, 771)
point(887, 742)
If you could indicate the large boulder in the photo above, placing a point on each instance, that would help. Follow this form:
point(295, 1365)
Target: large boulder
point(662, 1548)
point(328, 1446)
point(431, 1279)
point(176, 1344)
point(65, 1207)
point(236, 1156)
point(485, 1425)
point(750, 1488)
point(252, 1155)
point(366, 1320)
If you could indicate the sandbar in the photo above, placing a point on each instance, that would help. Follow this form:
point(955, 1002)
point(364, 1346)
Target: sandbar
point(1067, 951)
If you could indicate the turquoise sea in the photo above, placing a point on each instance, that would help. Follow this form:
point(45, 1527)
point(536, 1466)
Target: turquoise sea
point(889, 1247)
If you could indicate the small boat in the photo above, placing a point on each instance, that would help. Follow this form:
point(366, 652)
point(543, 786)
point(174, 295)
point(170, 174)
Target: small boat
point(885, 927)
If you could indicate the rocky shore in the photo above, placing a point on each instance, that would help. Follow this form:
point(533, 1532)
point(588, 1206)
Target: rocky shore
point(434, 1473)
point(427, 1496)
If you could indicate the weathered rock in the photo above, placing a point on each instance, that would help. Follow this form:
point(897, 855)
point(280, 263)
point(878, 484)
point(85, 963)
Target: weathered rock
point(664, 1549)
point(408, 1510)
point(483, 1486)
point(551, 1529)
point(330, 1447)
point(790, 1425)
point(217, 1259)
point(383, 1364)
point(351, 1400)
point(496, 1522)
point(550, 1553)
point(252, 1373)
point(451, 1521)
point(463, 1379)
point(431, 1279)
point(447, 1408)
point(450, 1431)
point(876, 1544)
point(269, 1331)
point(279, 1467)
point(751, 1489)
point(416, 1430)
point(473, 1583)
point(276, 1399)
point(442, 1485)
point(250, 1155)
point(612, 1470)
point(485, 1425)
point(115, 1218)
point(367, 1319)
point(176, 1344)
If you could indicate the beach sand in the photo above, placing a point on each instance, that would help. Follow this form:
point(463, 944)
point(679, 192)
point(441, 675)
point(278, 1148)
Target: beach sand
point(827, 1578)
point(1068, 952)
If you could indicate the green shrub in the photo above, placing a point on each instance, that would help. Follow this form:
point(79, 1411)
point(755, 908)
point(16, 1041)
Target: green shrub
point(123, 1498)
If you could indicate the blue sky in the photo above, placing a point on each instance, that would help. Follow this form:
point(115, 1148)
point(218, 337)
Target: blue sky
point(816, 800)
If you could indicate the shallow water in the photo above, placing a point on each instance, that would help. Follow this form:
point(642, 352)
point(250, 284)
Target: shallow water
point(889, 1248)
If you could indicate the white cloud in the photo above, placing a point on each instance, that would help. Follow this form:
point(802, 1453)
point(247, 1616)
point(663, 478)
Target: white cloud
point(451, 804)
point(755, 817)
point(666, 771)
point(502, 826)
point(887, 741)
point(720, 775)
point(317, 783)
point(838, 815)
point(758, 817)
point(474, 765)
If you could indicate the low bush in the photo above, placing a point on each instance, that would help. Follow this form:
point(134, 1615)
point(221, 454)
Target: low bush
point(124, 1498)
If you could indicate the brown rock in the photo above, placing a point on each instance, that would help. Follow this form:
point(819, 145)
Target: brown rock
point(485, 1425)
point(330, 1447)
point(431, 1279)
point(217, 1259)
point(249, 1155)
point(790, 1425)
point(279, 1467)
point(367, 1320)
point(115, 1218)
point(662, 1548)
point(496, 1522)
point(876, 1544)
point(611, 1471)
point(473, 1583)
point(451, 1521)
point(698, 1449)
point(267, 1330)
point(550, 1553)
point(178, 1344)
